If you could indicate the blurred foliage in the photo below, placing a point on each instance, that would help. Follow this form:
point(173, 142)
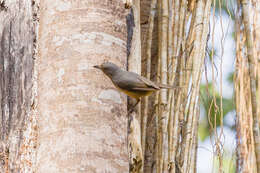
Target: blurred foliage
point(230, 78)
point(210, 98)
point(226, 6)
point(229, 166)
point(211, 103)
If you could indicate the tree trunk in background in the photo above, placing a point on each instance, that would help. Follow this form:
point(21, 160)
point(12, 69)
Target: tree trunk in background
point(18, 125)
point(134, 64)
point(82, 117)
point(246, 88)
point(257, 46)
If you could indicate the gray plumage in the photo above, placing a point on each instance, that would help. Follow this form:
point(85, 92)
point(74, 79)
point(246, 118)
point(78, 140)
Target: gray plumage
point(130, 83)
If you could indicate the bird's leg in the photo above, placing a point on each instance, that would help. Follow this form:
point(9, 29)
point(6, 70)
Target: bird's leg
point(132, 109)
point(137, 101)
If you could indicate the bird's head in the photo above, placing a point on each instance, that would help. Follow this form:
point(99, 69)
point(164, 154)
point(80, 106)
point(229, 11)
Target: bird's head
point(108, 68)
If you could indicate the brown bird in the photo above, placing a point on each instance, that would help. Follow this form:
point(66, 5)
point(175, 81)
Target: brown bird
point(130, 83)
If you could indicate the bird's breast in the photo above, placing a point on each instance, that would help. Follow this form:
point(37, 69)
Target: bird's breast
point(135, 93)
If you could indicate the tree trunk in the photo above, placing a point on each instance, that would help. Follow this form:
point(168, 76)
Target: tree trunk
point(82, 117)
point(246, 88)
point(18, 125)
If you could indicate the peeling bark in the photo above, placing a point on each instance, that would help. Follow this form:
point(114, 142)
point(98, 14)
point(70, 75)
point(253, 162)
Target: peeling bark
point(17, 37)
point(252, 62)
point(246, 88)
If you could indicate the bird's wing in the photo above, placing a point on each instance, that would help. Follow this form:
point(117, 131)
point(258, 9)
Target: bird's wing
point(148, 83)
point(133, 81)
point(154, 85)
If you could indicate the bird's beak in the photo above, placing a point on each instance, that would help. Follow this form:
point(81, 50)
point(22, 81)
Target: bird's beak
point(97, 66)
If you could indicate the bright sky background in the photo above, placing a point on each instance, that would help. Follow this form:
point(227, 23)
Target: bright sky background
point(205, 149)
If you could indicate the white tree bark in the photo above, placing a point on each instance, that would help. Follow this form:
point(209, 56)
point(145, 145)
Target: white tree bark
point(82, 117)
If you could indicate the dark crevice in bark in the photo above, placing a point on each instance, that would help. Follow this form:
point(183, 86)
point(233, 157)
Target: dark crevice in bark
point(130, 23)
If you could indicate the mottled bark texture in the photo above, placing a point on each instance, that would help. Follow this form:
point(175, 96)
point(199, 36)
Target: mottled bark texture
point(16, 71)
point(246, 86)
point(82, 116)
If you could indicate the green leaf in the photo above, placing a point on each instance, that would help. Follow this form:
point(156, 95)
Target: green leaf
point(231, 78)
point(211, 102)
point(203, 130)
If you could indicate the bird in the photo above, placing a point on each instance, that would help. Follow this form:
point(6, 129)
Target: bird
point(130, 83)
